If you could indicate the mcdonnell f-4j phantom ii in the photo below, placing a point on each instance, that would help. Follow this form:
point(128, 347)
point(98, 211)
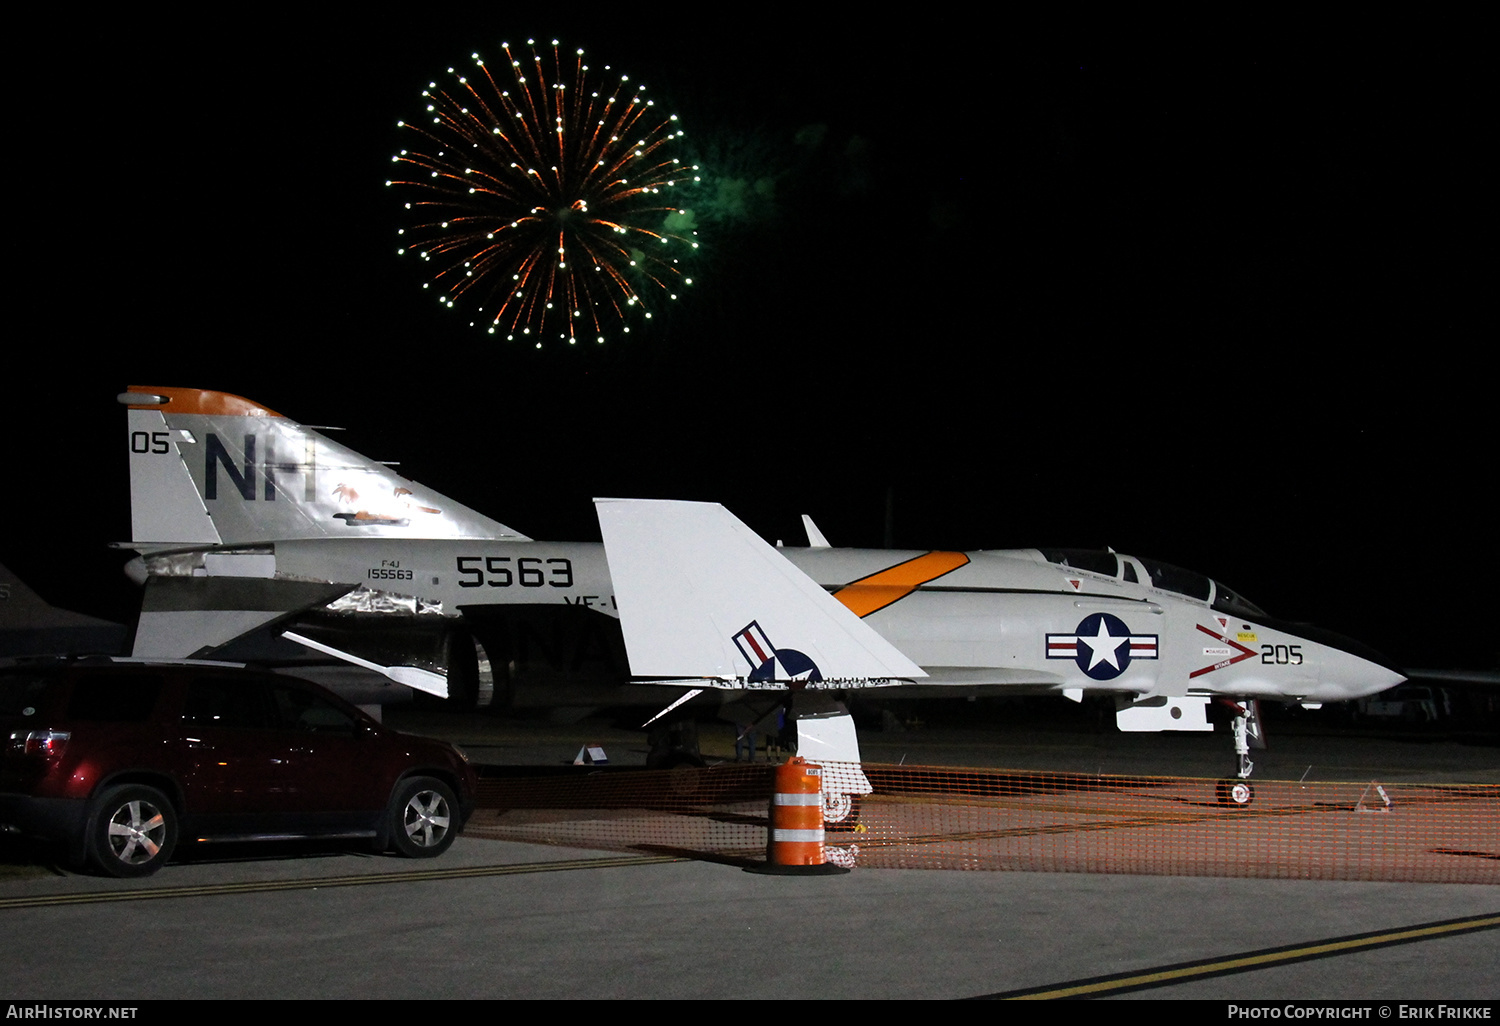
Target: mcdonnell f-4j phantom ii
point(702, 598)
point(246, 521)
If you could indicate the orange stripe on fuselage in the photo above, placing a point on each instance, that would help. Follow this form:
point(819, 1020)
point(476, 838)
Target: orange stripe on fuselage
point(866, 595)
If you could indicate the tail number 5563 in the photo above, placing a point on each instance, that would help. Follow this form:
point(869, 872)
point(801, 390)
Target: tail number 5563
point(527, 572)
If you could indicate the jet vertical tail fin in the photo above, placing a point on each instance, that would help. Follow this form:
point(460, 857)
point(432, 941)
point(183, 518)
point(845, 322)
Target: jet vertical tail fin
point(209, 468)
point(702, 596)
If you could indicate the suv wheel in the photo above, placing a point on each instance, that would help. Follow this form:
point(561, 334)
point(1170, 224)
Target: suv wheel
point(424, 818)
point(132, 831)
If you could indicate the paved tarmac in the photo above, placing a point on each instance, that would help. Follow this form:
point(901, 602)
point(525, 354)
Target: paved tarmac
point(505, 920)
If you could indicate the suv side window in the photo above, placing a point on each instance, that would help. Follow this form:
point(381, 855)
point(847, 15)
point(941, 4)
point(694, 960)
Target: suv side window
point(303, 710)
point(222, 702)
point(114, 698)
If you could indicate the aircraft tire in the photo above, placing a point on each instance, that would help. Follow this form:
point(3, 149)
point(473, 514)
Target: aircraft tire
point(423, 818)
point(840, 811)
point(132, 831)
point(1235, 792)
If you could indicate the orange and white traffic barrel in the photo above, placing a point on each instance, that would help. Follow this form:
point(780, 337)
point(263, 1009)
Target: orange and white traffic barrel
point(794, 844)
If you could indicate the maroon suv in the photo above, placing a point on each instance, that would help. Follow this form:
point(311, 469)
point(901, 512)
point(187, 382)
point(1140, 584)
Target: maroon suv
point(119, 761)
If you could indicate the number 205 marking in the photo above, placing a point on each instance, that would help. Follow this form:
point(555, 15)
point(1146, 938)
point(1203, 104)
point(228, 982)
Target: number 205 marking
point(1283, 655)
point(496, 572)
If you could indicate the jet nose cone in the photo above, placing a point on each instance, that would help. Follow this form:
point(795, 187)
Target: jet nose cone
point(1354, 670)
point(1344, 668)
point(1368, 678)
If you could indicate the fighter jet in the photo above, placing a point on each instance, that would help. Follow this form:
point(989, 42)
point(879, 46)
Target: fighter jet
point(32, 626)
point(248, 522)
point(702, 597)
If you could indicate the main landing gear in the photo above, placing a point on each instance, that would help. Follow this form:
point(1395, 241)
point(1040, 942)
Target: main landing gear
point(1245, 723)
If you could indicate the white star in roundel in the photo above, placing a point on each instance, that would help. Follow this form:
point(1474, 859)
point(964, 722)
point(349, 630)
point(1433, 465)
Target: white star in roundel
point(1104, 645)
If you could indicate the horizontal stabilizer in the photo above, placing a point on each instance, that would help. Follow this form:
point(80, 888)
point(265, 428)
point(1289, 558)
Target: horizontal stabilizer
point(182, 617)
point(700, 594)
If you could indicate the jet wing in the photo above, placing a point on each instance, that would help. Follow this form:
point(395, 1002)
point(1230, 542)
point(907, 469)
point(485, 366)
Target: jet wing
point(701, 595)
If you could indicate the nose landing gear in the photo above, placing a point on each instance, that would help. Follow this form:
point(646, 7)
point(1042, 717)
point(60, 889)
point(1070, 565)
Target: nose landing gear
point(1245, 724)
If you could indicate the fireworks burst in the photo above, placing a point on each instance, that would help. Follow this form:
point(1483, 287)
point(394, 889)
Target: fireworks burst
point(544, 202)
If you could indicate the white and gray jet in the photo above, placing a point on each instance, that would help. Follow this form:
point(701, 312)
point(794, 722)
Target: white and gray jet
point(246, 521)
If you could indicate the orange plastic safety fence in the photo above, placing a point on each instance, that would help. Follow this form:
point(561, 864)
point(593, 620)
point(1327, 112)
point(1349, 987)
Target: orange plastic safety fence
point(699, 812)
point(919, 817)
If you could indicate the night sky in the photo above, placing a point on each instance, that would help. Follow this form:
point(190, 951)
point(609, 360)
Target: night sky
point(1213, 301)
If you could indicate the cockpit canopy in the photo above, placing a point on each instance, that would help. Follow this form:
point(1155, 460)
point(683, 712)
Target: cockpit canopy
point(1158, 575)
